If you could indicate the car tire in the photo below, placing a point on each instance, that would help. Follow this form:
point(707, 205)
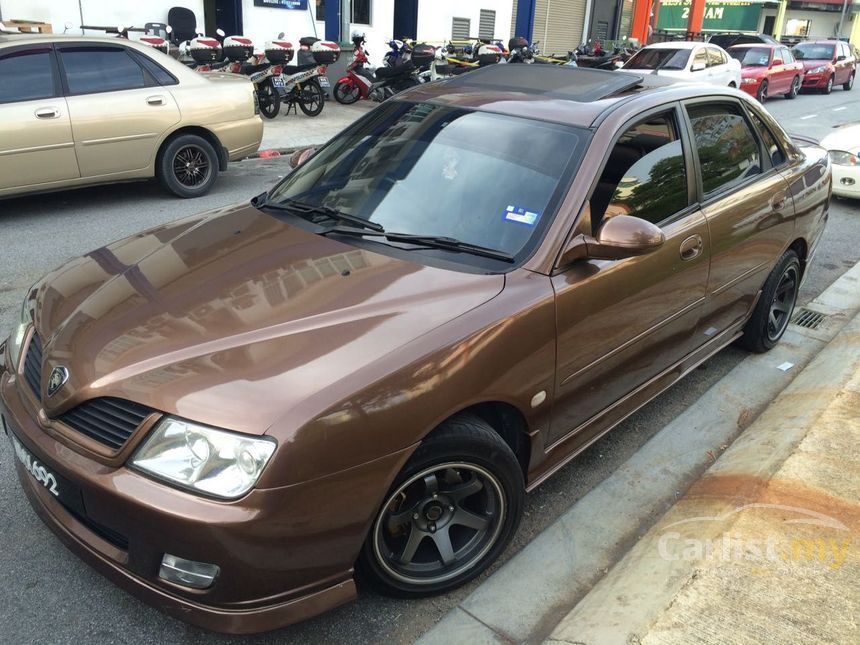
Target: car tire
point(761, 95)
point(775, 306)
point(187, 166)
point(829, 87)
point(795, 88)
point(460, 493)
point(847, 85)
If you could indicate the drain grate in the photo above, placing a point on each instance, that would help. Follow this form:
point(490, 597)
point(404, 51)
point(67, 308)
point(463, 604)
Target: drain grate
point(808, 319)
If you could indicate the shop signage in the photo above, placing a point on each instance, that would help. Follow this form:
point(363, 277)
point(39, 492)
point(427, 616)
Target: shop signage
point(282, 4)
point(724, 15)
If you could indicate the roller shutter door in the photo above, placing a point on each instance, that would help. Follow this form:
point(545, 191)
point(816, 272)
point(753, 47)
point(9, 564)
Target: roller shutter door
point(559, 25)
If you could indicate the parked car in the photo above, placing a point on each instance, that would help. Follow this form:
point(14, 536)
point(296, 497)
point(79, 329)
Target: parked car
point(767, 70)
point(826, 63)
point(368, 366)
point(726, 40)
point(79, 110)
point(843, 146)
point(687, 61)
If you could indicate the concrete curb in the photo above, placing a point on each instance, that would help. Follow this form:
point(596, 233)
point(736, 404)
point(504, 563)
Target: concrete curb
point(527, 597)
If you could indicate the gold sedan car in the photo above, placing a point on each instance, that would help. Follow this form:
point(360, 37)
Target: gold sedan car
point(81, 110)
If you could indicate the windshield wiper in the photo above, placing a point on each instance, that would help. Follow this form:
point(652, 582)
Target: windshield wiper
point(433, 241)
point(301, 208)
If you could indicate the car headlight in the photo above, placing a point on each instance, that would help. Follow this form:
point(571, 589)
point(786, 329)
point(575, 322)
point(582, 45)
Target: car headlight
point(749, 80)
point(16, 341)
point(214, 462)
point(842, 158)
point(818, 70)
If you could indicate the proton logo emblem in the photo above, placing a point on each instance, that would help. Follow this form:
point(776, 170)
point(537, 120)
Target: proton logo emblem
point(59, 376)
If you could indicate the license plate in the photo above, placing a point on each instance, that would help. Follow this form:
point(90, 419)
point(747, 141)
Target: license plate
point(278, 81)
point(324, 82)
point(67, 493)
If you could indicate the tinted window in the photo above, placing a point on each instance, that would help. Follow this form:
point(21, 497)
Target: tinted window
point(728, 151)
point(426, 169)
point(752, 56)
point(813, 51)
point(161, 75)
point(100, 69)
point(644, 176)
point(659, 58)
point(26, 76)
point(777, 157)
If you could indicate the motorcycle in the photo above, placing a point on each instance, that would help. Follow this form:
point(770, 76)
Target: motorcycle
point(362, 82)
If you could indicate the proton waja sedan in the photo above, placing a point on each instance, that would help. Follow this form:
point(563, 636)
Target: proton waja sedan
point(361, 373)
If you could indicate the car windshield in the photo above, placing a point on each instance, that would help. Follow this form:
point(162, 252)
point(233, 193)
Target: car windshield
point(430, 170)
point(659, 58)
point(812, 51)
point(751, 56)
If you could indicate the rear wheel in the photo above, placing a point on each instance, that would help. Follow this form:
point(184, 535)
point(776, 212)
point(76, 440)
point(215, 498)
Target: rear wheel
point(847, 85)
point(761, 95)
point(346, 93)
point(311, 98)
point(775, 305)
point(795, 88)
point(449, 514)
point(270, 100)
point(187, 166)
point(829, 87)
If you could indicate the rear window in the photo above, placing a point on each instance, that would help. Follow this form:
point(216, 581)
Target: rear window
point(751, 56)
point(659, 59)
point(813, 51)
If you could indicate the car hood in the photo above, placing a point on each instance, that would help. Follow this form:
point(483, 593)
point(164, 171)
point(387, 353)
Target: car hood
point(846, 138)
point(812, 63)
point(237, 317)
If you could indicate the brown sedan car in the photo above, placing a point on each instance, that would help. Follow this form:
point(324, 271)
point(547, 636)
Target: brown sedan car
point(366, 368)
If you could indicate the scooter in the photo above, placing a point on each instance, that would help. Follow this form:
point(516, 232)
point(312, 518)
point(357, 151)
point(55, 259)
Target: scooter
point(362, 82)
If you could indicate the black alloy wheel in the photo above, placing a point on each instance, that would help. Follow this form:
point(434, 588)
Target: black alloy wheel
point(191, 166)
point(270, 100)
point(311, 98)
point(782, 303)
point(775, 305)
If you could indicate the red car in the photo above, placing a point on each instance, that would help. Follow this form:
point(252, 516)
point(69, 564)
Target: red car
point(767, 70)
point(826, 63)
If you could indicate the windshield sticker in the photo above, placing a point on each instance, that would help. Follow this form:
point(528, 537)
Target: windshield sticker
point(521, 215)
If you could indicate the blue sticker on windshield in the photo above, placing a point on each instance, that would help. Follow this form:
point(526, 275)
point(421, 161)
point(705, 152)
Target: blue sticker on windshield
point(521, 215)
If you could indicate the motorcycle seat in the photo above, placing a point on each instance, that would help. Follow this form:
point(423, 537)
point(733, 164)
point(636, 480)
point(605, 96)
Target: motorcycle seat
point(289, 70)
point(250, 68)
point(390, 72)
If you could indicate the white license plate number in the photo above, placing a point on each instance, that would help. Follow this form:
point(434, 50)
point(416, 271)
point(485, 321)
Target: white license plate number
point(37, 471)
point(324, 82)
point(279, 82)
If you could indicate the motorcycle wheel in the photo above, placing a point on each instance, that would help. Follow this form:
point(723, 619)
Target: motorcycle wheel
point(270, 100)
point(311, 98)
point(346, 94)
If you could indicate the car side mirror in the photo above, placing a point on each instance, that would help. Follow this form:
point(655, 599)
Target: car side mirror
point(301, 156)
point(839, 58)
point(622, 236)
point(697, 67)
point(777, 61)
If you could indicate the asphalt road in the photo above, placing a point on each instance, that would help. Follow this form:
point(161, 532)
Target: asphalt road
point(49, 596)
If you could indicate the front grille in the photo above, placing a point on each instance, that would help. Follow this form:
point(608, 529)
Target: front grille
point(108, 534)
point(33, 365)
point(108, 420)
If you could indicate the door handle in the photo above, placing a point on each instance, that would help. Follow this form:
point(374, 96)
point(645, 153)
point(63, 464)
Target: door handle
point(777, 202)
point(691, 247)
point(155, 100)
point(47, 113)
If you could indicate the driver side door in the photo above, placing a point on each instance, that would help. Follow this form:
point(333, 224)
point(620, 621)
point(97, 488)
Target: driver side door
point(621, 323)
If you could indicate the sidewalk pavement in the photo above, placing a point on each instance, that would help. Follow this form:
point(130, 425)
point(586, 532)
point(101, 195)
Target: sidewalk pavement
point(639, 560)
point(286, 132)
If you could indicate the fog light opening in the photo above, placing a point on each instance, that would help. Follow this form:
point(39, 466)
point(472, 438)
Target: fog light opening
point(188, 573)
point(847, 181)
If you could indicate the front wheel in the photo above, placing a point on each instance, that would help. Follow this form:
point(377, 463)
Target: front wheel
point(829, 87)
point(775, 305)
point(761, 95)
point(270, 100)
point(795, 88)
point(311, 98)
point(346, 93)
point(847, 85)
point(450, 513)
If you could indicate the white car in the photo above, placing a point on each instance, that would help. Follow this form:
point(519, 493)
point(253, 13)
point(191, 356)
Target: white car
point(687, 61)
point(843, 146)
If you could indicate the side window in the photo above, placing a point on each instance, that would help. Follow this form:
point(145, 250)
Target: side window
point(777, 156)
point(161, 75)
point(90, 70)
point(727, 149)
point(787, 56)
point(700, 57)
point(645, 175)
point(715, 57)
point(26, 75)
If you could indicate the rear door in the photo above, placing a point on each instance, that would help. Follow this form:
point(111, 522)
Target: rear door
point(718, 67)
point(36, 145)
point(745, 200)
point(119, 111)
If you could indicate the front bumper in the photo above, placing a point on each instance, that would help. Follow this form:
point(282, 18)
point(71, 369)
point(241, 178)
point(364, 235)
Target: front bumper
point(751, 88)
point(285, 554)
point(815, 81)
point(846, 181)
